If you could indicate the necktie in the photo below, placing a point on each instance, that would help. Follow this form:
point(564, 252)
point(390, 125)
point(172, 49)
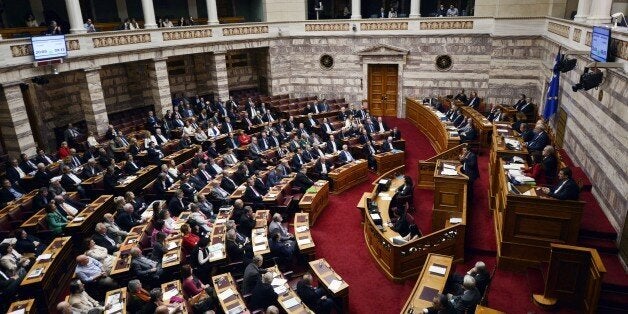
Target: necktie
point(561, 186)
point(110, 240)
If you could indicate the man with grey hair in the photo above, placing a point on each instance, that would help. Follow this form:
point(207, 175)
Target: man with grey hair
point(238, 251)
point(101, 238)
point(276, 226)
point(478, 272)
point(470, 297)
point(263, 295)
point(145, 268)
point(113, 229)
point(253, 274)
point(138, 296)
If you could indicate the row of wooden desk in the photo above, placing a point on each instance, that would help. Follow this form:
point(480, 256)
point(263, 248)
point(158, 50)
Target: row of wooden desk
point(433, 124)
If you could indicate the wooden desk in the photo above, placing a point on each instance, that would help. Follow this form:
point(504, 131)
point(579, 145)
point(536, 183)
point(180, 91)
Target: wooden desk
point(84, 223)
point(302, 235)
point(26, 305)
point(501, 131)
point(481, 124)
point(173, 288)
point(486, 310)
point(286, 294)
point(117, 300)
point(387, 161)
point(38, 218)
point(429, 284)
point(315, 200)
point(450, 194)
point(228, 295)
point(137, 181)
point(326, 276)
point(180, 156)
point(427, 167)
point(348, 175)
point(431, 123)
point(527, 225)
point(218, 236)
point(173, 257)
point(54, 277)
point(402, 261)
point(259, 239)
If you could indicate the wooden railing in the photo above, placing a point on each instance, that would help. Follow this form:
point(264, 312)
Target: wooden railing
point(426, 167)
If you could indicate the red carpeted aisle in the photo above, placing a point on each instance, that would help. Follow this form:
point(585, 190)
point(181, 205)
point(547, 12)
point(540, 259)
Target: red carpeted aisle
point(339, 238)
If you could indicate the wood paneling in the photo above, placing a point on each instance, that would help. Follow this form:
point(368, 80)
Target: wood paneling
point(383, 83)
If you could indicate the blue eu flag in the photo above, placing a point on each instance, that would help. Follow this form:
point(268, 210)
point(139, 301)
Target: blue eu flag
point(551, 102)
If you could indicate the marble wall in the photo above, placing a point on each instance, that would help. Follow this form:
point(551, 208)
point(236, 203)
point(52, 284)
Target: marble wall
point(519, 8)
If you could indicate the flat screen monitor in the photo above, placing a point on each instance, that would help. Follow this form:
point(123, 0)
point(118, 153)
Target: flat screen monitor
point(600, 43)
point(49, 47)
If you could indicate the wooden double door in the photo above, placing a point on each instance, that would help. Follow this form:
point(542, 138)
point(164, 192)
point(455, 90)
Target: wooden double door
point(382, 89)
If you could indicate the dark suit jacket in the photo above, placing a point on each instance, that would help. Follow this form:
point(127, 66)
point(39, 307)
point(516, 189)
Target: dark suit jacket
point(89, 172)
point(130, 169)
point(100, 240)
point(110, 181)
point(26, 167)
point(250, 197)
point(263, 296)
point(226, 185)
point(569, 191)
point(41, 179)
point(550, 165)
point(39, 201)
point(252, 277)
point(126, 221)
point(234, 251)
point(302, 182)
point(539, 141)
point(175, 207)
point(40, 159)
point(470, 166)
point(260, 186)
point(13, 175)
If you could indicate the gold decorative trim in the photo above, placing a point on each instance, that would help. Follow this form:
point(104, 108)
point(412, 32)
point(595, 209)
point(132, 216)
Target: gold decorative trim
point(27, 49)
point(327, 27)
point(587, 40)
point(622, 48)
point(187, 34)
point(121, 40)
point(244, 30)
point(558, 29)
point(446, 25)
point(577, 35)
point(384, 26)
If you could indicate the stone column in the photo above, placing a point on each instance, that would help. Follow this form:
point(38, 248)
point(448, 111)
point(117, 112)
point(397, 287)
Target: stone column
point(600, 12)
point(149, 14)
point(93, 102)
point(192, 9)
point(356, 9)
point(37, 8)
point(75, 16)
point(123, 12)
point(160, 86)
point(14, 125)
point(212, 12)
point(220, 75)
point(583, 11)
point(415, 8)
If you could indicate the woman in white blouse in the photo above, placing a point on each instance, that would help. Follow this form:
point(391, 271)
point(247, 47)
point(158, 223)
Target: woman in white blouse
point(189, 129)
point(212, 130)
point(100, 254)
point(172, 169)
point(200, 136)
point(91, 140)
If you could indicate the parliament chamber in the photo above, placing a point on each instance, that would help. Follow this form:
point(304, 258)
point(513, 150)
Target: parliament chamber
point(328, 156)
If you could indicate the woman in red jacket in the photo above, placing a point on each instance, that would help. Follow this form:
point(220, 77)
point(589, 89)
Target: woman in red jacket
point(244, 138)
point(64, 150)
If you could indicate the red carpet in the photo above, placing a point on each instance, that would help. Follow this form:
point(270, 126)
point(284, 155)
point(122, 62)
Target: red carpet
point(339, 238)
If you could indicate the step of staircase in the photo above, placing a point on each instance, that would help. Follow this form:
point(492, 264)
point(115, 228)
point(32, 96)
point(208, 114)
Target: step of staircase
point(602, 245)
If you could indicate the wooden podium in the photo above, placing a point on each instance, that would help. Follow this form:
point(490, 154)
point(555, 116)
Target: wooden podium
point(389, 160)
point(450, 193)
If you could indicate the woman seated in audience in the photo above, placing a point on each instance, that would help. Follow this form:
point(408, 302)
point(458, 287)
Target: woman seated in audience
point(169, 222)
point(536, 170)
point(157, 301)
point(64, 150)
point(12, 262)
point(400, 223)
point(56, 222)
point(212, 130)
point(200, 136)
point(200, 258)
point(172, 169)
point(189, 240)
point(199, 295)
point(100, 254)
point(26, 243)
point(189, 129)
point(244, 138)
point(159, 226)
point(91, 140)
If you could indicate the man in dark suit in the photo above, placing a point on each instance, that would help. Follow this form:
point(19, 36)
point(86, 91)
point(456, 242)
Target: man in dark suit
point(161, 186)
point(43, 158)
point(126, 219)
point(110, 179)
point(527, 107)
point(345, 155)
point(314, 298)
point(263, 295)
point(146, 269)
point(301, 181)
point(177, 204)
point(364, 137)
point(26, 164)
point(388, 146)
point(469, 299)
point(154, 154)
point(290, 124)
point(470, 168)
point(42, 176)
point(323, 167)
point(468, 133)
point(343, 115)
point(369, 151)
point(111, 133)
point(228, 184)
point(550, 163)
point(251, 194)
point(9, 193)
point(526, 134)
point(297, 159)
point(540, 139)
point(522, 101)
point(565, 189)
point(232, 141)
point(101, 238)
point(396, 134)
point(259, 184)
point(131, 167)
point(332, 145)
point(90, 169)
point(474, 101)
point(253, 274)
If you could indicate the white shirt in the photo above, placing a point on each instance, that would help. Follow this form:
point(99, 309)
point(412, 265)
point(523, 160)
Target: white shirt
point(74, 178)
point(217, 168)
point(323, 167)
point(20, 172)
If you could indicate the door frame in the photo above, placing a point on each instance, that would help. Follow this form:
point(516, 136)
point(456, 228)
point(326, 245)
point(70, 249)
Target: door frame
point(384, 54)
point(368, 77)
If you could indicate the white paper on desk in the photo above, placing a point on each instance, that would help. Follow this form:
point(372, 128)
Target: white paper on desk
point(44, 257)
point(220, 221)
point(216, 247)
point(236, 310)
point(271, 195)
point(171, 245)
point(259, 247)
point(451, 128)
point(280, 289)
point(453, 133)
point(386, 198)
point(259, 239)
point(115, 307)
point(375, 216)
point(277, 281)
point(290, 303)
point(216, 255)
point(225, 294)
point(335, 285)
point(513, 166)
point(259, 232)
point(20, 311)
point(502, 130)
point(439, 114)
point(9, 241)
point(383, 181)
point(169, 258)
point(385, 194)
point(449, 172)
point(517, 159)
point(528, 192)
point(449, 166)
point(455, 220)
point(77, 219)
point(169, 294)
point(36, 273)
point(304, 241)
point(301, 228)
point(147, 214)
point(112, 299)
point(437, 270)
